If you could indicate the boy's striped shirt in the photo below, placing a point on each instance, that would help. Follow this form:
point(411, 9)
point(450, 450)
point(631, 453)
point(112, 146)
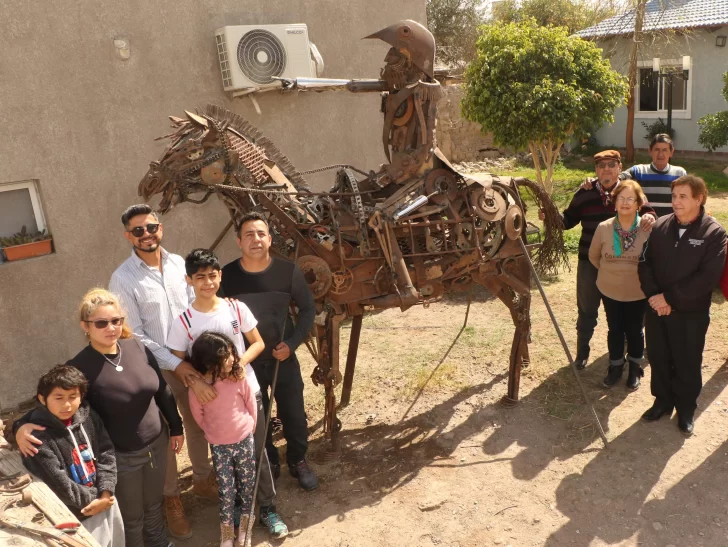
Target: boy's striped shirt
point(656, 184)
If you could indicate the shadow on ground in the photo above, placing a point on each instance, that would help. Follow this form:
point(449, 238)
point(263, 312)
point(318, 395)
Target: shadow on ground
point(608, 500)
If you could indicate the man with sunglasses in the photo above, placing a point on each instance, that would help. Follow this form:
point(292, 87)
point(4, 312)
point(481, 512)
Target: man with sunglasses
point(151, 284)
point(589, 207)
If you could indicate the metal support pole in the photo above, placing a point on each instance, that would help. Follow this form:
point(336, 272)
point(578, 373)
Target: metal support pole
point(669, 102)
point(356, 322)
point(564, 345)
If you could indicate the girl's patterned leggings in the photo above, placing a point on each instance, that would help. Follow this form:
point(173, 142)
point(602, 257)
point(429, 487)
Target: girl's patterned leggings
point(235, 470)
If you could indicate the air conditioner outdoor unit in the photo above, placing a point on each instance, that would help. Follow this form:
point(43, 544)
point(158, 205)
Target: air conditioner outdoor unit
point(253, 56)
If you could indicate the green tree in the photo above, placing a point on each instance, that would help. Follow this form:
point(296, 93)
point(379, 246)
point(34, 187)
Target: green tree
point(714, 127)
point(575, 15)
point(534, 87)
point(454, 24)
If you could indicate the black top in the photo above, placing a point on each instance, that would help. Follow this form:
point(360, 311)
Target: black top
point(269, 294)
point(57, 462)
point(685, 269)
point(587, 207)
point(129, 401)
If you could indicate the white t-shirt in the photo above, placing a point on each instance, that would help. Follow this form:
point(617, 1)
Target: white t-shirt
point(232, 319)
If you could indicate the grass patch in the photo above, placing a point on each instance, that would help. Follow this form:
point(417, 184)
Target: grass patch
point(570, 172)
point(445, 377)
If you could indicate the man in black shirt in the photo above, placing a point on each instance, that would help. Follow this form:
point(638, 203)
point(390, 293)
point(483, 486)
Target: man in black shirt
point(268, 286)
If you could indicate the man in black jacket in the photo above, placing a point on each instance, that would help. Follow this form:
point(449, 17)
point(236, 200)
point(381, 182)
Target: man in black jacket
point(269, 286)
point(681, 264)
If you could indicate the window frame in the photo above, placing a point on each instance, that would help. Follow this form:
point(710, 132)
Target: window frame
point(654, 114)
point(32, 187)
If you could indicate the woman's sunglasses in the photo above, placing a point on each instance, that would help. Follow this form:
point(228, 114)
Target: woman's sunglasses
point(138, 231)
point(103, 323)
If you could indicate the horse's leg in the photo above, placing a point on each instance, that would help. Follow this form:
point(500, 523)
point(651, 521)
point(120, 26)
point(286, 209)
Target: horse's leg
point(351, 360)
point(511, 289)
point(521, 315)
point(332, 377)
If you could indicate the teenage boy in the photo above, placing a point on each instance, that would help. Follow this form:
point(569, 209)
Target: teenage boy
point(269, 286)
point(656, 177)
point(233, 319)
point(76, 459)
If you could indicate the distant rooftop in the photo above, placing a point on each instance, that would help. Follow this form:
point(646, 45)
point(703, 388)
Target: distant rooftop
point(662, 15)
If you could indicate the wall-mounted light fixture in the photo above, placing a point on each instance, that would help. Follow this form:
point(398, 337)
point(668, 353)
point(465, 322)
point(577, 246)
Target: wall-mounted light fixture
point(122, 48)
point(720, 41)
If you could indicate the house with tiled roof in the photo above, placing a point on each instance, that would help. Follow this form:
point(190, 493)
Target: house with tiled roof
point(686, 38)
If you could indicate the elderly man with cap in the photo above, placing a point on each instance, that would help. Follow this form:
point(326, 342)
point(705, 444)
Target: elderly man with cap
point(590, 207)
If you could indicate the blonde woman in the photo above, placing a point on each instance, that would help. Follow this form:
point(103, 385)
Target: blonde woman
point(126, 388)
point(615, 251)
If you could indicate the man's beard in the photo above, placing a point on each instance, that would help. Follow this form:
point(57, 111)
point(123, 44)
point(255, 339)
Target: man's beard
point(153, 247)
point(607, 183)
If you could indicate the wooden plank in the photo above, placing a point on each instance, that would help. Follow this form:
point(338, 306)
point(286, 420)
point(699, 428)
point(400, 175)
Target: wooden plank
point(53, 508)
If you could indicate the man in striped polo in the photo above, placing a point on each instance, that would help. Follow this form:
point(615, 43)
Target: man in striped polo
point(655, 178)
point(590, 206)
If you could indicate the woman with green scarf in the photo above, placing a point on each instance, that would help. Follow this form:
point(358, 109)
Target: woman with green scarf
point(615, 251)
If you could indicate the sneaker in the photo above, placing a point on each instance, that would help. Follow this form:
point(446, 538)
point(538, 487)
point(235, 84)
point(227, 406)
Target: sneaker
point(207, 488)
point(272, 520)
point(306, 478)
point(580, 364)
point(614, 374)
point(177, 523)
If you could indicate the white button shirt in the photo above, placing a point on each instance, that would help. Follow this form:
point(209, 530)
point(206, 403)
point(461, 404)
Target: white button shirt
point(152, 300)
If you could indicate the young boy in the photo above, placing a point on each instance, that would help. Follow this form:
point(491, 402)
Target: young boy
point(76, 459)
point(208, 312)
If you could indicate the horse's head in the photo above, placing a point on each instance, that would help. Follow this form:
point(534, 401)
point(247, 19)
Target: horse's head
point(215, 148)
point(198, 156)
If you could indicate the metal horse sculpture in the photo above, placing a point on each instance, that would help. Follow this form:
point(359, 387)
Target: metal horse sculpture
point(403, 235)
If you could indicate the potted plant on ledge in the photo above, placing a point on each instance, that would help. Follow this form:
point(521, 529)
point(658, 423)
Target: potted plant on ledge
point(25, 245)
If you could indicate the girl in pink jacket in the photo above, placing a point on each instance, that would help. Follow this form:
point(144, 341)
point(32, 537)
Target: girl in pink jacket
point(228, 422)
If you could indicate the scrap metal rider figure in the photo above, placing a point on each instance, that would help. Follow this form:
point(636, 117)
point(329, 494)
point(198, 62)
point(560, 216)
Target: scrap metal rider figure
point(409, 100)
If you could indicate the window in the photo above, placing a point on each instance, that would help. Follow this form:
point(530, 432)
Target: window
point(20, 206)
point(652, 92)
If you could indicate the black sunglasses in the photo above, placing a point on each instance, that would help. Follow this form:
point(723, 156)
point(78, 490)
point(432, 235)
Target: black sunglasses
point(138, 231)
point(103, 323)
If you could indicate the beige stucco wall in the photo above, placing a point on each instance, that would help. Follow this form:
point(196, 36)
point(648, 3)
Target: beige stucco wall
point(82, 122)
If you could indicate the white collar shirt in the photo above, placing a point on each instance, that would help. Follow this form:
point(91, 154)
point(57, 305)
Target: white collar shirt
point(152, 300)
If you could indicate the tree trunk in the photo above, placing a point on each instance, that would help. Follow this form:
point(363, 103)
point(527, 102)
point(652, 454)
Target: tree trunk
point(636, 40)
point(536, 157)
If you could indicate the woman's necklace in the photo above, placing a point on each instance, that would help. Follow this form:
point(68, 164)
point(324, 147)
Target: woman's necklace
point(116, 365)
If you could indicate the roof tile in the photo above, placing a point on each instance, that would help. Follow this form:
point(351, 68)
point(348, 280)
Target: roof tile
point(664, 14)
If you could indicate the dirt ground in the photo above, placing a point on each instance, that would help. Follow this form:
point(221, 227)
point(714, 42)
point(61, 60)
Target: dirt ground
point(429, 455)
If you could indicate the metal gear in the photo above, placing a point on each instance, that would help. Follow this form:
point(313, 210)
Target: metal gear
point(444, 182)
point(343, 281)
point(317, 274)
point(514, 222)
point(488, 203)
